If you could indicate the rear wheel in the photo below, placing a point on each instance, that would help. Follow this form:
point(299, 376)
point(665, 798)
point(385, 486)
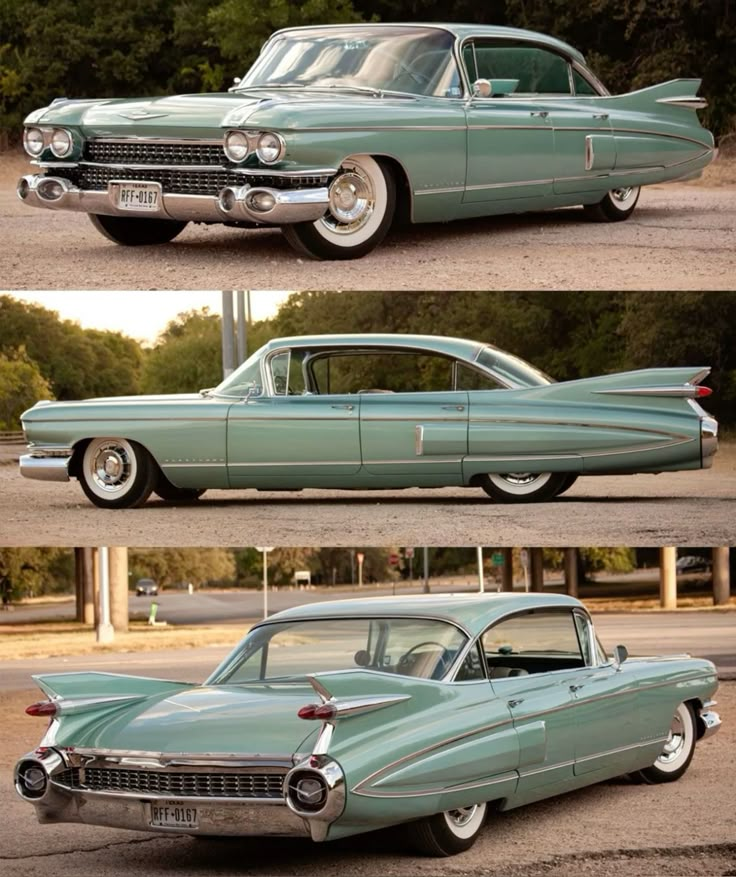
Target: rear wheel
point(568, 483)
point(523, 486)
point(116, 473)
point(135, 231)
point(678, 751)
point(361, 209)
point(615, 206)
point(448, 833)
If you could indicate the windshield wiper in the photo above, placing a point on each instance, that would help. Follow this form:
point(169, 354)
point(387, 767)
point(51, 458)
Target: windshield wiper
point(368, 89)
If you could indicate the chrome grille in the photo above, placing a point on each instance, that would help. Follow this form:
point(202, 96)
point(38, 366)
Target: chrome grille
point(184, 182)
point(142, 152)
point(175, 784)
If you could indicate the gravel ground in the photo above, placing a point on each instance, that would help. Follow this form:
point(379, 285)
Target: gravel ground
point(681, 237)
point(682, 828)
point(680, 508)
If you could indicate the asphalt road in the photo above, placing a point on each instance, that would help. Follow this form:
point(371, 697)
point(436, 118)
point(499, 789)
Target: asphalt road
point(705, 634)
point(680, 508)
point(679, 828)
point(680, 237)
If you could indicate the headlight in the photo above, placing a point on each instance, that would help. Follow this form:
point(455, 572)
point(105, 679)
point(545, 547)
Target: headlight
point(236, 145)
point(33, 141)
point(61, 142)
point(270, 148)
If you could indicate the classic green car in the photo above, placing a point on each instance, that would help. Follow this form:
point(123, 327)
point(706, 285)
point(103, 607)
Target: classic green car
point(375, 411)
point(339, 718)
point(336, 131)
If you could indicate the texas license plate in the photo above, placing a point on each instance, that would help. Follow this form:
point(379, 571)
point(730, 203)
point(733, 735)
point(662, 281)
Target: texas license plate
point(137, 196)
point(172, 814)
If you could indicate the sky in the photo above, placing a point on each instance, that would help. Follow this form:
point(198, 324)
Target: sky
point(142, 314)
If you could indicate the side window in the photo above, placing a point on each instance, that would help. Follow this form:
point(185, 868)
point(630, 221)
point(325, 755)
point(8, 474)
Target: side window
point(581, 625)
point(471, 668)
point(470, 379)
point(582, 86)
point(534, 70)
point(381, 371)
point(539, 641)
point(287, 374)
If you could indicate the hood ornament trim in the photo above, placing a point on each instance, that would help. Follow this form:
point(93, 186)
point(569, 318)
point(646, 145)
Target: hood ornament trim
point(138, 115)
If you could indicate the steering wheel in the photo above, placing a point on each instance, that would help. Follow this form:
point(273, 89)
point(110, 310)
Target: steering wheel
point(406, 659)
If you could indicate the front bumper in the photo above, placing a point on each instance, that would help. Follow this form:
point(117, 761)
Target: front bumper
point(233, 203)
point(710, 721)
point(41, 468)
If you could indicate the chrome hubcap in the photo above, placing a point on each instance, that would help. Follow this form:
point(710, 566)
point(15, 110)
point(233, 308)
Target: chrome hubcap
point(462, 815)
point(352, 202)
point(624, 195)
point(111, 466)
point(519, 477)
point(675, 741)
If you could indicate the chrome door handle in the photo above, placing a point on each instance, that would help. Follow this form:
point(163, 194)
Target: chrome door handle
point(513, 703)
point(576, 687)
point(542, 113)
point(344, 407)
point(453, 408)
point(600, 115)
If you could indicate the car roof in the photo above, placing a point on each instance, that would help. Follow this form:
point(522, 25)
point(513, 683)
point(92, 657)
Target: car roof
point(462, 31)
point(459, 347)
point(473, 612)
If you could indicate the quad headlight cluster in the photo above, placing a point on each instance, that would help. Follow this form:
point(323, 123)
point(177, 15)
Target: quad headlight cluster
point(268, 147)
point(59, 140)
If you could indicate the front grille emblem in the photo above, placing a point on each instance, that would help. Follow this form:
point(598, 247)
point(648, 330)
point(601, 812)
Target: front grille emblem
point(137, 115)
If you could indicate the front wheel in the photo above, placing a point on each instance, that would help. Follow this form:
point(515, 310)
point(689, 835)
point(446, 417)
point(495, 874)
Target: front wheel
point(361, 209)
point(678, 751)
point(448, 833)
point(116, 473)
point(523, 486)
point(136, 232)
point(615, 206)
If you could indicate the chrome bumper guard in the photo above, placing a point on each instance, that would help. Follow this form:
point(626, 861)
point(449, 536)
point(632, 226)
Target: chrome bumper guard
point(710, 720)
point(708, 440)
point(258, 204)
point(52, 468)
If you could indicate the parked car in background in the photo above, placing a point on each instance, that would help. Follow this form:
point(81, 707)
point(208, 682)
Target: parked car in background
point(337, 131)
point(146, 588)
point(375, 411)
point(693, 563)
point(338, 718)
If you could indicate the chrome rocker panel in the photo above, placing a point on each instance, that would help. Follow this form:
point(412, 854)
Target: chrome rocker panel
point(45, 468)
point(297, 205)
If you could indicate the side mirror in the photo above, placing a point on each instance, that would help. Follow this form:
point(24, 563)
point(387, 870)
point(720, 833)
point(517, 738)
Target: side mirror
point(620, 654)
point(253, 392)
point(482, 88)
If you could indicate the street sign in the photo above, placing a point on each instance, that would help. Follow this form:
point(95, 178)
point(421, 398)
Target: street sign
point(393, 559)
point(524, 556)
point(409, 553)
point(497, 559)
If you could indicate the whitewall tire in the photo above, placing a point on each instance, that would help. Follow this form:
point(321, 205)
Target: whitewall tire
point(116, 473)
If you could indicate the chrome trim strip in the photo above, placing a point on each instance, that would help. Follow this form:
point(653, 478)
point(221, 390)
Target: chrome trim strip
point(514, 184)
point(543, 421)
point(633, 449)
point(158, 141)
point(404, 462)
point(684, 390)
point(122, 165)
point(167, 465)
point(439, 790)
point(621, 749)
point(347, 128)
point(297, 463)
point(152, 796)
point(165, 759)
point(589, 153)
point(445, 191)
point(419, 440)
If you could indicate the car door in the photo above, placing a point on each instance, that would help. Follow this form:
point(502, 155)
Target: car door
point(415, 437)
point(606, 710)
point(532, 658)
point(289, 436)
point(510, 139)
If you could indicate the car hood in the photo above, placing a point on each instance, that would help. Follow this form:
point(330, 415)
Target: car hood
point(202, 115)
point(102, 405)
point(209, 719)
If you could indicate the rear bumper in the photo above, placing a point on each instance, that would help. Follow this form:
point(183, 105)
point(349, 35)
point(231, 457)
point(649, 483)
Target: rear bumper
point(259, 204)
point(708, 440)
point(41, 468)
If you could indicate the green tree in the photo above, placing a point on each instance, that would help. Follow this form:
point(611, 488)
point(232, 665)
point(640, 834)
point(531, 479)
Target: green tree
point(187, 355)
point(37, 571)
point(21, 385)
point(169, 566)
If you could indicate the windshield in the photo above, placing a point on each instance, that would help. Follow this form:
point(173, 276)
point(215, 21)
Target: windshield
point(414, 61)
point(513, 369)
point(287, 651)
point(245, 378)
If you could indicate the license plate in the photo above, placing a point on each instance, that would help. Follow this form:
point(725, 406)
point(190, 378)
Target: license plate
point(172, 814)
point(137, 196)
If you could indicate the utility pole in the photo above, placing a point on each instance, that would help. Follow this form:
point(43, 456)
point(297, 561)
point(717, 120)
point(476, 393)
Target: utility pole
point(571, 571)
point(228, 334)
point(721, 577)
point(481, 579)
point(105, 630)
point(668, 578)
point(242, 326)
point(425, 559)
point(507, 570)
point(264, 551)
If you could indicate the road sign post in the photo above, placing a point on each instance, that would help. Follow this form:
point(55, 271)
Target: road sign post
point(264, 552)
point(360, 557)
